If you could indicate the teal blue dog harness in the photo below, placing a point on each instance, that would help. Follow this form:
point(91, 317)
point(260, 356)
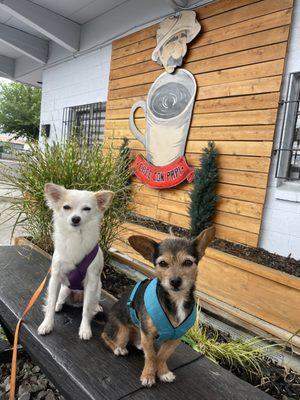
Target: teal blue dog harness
point(159, 318)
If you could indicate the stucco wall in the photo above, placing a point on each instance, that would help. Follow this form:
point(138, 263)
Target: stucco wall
point(280, 231)
point(79, 81)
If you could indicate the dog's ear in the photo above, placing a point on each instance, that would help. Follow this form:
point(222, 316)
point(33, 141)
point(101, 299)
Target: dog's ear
point(203, 240)
point(104, 199)
point(143, 245)
point(53, 193)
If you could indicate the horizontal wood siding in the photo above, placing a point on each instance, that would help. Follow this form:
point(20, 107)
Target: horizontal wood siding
point(238, 61)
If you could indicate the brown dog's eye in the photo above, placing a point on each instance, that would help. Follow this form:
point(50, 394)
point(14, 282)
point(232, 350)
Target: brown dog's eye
point(163, 264)
point(187, 263)
point(87, 209)
point(66, 207)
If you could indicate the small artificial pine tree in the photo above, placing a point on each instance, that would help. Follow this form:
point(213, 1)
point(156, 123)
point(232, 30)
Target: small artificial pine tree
point(203, 195)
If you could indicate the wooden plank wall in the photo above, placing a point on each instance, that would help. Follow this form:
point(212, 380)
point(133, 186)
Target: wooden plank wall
point(238, 61)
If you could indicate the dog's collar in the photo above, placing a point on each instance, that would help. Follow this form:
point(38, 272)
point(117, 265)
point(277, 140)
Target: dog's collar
point(166, 330)
point(77, 275)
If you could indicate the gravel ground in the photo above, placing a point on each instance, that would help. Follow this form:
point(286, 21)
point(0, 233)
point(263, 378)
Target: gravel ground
point(32, 384)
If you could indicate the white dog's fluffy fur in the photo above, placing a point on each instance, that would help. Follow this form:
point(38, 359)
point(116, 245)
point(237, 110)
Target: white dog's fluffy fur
point(72, 242)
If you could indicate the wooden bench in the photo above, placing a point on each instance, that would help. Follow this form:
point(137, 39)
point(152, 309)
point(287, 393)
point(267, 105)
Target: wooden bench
point(88, 370)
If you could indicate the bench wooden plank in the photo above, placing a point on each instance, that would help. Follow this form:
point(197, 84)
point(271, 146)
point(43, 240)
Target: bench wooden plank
point(203, 380)
point(80, 370)
point(88, 370)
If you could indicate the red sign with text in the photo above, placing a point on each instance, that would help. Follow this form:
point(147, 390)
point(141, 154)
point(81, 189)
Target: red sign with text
point(163, 177)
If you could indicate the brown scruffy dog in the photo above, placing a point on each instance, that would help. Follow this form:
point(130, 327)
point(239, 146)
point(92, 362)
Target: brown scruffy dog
point(176, 264)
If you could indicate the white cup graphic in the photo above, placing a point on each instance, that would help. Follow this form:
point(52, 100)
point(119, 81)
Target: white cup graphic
point(168, 112)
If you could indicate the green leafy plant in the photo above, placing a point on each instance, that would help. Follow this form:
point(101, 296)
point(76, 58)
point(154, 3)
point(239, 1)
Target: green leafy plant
point(73, 166)
point(20, 109)
point(203, 195)
point(248, 354)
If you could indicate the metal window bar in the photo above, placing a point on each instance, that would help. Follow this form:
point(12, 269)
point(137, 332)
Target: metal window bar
point(86, 122)
point(288, 153)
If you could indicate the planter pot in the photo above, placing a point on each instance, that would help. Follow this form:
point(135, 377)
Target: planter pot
point(24, 241)
point(259, 295)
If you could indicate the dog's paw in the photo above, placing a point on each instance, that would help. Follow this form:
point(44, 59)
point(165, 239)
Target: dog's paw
point(147, 380)
point(45, 328)
point(120, 352)
point(58, 307)
point(85, 332)
point(167, 377)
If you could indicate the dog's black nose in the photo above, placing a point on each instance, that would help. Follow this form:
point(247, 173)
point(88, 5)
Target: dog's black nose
point(176, 282)
point(76, 220)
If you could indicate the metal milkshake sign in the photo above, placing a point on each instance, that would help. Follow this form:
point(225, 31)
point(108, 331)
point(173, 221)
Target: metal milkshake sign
point(168, 109)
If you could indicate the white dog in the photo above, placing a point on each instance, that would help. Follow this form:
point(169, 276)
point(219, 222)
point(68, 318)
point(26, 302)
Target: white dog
point(77, 260)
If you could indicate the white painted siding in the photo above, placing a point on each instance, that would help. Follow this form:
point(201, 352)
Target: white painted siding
point(81, 80)
point(280, 231)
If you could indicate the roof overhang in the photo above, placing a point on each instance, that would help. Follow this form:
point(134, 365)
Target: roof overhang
point(36, 34)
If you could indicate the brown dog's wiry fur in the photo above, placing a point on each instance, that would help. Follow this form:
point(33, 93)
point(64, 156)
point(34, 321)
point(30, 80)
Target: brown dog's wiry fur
point(176, 264)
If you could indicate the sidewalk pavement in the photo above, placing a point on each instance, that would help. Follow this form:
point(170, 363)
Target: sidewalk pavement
point(7, 198)
point(6, 227)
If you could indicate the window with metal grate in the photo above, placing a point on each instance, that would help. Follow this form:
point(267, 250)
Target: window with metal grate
point(85, 121)
point(288, 153)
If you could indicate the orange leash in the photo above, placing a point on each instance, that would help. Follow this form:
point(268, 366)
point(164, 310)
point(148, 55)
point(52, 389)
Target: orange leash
point(13, 374)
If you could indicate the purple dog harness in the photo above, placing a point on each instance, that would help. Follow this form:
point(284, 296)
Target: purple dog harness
point(77, 275)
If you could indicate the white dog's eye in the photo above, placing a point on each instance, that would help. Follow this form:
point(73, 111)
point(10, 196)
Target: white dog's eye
point(87, 209)
point(66, 207)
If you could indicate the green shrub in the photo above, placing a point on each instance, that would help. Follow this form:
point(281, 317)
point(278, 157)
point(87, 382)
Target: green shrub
point(75, 167)
point(203, 195)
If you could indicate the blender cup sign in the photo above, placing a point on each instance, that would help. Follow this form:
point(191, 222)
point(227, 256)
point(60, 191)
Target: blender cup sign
point(168, 112)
